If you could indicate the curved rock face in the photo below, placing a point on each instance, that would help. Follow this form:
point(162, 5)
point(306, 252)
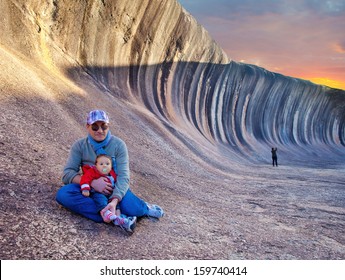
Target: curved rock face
point(199, 128)
point(154, 54)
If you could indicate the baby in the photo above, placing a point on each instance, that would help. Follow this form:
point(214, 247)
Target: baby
point(103, 168)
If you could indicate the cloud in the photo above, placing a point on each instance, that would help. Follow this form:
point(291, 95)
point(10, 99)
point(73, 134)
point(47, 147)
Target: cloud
point(227, 8)
point(326, 8)
point(340, 47)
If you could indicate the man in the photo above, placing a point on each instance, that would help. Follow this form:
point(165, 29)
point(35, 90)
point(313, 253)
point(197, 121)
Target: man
point(274, 156)
point(84, 152)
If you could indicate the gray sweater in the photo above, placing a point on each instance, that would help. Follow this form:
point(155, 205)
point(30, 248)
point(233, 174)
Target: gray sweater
point(82, 153)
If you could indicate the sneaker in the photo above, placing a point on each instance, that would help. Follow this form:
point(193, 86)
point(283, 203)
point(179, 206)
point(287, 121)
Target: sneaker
point(128, 224)
point(155, 211)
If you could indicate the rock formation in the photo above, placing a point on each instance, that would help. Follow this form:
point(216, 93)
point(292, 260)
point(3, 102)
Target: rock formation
point(199, 128)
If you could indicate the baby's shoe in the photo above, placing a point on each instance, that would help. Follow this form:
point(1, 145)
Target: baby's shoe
point(126, 223)
point(155, 211)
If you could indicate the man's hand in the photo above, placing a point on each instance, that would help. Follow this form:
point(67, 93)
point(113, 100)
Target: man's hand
point(102, 185)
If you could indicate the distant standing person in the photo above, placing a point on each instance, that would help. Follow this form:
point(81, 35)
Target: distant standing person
point(274, 156)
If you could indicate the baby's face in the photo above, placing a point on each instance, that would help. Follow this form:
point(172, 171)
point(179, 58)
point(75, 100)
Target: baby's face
point(103, 165)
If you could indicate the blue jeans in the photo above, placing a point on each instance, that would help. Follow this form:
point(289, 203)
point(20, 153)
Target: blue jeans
point(100, 199)
point(71, 197)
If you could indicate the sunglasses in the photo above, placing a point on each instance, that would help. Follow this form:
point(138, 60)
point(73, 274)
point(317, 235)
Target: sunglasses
point(95, 127)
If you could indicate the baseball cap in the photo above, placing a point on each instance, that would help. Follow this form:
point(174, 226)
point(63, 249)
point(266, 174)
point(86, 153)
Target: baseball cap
point(97, 115)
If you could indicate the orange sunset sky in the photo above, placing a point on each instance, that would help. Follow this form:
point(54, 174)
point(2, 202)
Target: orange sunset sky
point(298, 38)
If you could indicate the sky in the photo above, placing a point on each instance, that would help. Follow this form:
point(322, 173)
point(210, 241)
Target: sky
point(298, 38)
